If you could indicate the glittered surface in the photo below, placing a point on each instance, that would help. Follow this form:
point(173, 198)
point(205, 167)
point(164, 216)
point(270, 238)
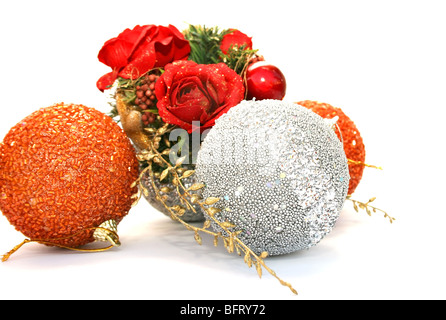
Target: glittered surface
point(352, 140)
point(280, 171)
point(64, 169)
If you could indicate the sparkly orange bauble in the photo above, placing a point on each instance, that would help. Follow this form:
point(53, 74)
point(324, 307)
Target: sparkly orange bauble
point(65, 170)
point(353, 144)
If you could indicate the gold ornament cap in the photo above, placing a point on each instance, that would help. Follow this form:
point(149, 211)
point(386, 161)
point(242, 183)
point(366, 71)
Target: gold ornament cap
point(107, 231)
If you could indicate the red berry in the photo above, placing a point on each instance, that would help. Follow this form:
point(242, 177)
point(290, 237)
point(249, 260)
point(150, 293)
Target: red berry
point(265, 81)
point(139, 93)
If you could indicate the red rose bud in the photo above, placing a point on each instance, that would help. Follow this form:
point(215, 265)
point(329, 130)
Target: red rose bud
point(235, 39)
point(135, 52)
point(188, 92)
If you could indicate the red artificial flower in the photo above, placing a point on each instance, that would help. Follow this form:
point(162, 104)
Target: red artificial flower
point(235, 38)
point(188, 92)
point(137, 51)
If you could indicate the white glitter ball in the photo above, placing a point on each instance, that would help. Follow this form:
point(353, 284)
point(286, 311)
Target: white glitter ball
point(280, 172)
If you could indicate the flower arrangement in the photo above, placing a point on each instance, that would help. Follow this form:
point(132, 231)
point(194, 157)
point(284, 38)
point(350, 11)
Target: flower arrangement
point(202, 73)
point(169, 88)
point(182, 98)
point(163, 80)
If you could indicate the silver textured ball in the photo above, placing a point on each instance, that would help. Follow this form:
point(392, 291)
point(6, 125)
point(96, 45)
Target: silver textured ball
point(280, 172)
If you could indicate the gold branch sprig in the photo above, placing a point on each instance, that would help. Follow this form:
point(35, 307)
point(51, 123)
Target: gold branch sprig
point(368, 208)
point(350, 161)
point(177, 173)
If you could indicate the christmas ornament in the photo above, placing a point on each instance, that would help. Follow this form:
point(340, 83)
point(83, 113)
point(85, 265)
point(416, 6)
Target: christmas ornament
point(271, 178)
point(279, 171)
point(65, 176)
point(189, 197)
point(265, 81)
point(350, 136)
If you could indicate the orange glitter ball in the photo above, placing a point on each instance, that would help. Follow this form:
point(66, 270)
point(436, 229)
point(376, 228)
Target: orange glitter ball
point(353, 144)
point(64, 170)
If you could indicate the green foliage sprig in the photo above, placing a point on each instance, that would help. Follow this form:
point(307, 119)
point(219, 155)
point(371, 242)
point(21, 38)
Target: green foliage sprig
point(205, 43)
point(205, 48)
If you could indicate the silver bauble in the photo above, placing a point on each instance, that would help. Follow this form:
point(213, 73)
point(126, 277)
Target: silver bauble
point(280, 172)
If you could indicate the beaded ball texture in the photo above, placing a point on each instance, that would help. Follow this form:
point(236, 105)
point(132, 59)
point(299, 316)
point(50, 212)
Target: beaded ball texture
point(280, 172)
point(64, 170)
point(348, 134)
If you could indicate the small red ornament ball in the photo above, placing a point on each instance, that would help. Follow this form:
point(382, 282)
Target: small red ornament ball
point(64, 170)
point(353, 144)
point(265, 81)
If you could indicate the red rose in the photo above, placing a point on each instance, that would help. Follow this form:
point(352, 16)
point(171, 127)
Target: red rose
point(233, 39)
point(136, 51)
point(188, 92)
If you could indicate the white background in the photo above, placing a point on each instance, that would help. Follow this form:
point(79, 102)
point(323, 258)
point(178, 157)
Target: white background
point(382, 62)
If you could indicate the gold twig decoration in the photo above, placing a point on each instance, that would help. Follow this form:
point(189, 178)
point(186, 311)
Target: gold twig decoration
point(363, 164)
point(176, 173)
point(368, 208)
point(131, 123)
point(101, 234)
